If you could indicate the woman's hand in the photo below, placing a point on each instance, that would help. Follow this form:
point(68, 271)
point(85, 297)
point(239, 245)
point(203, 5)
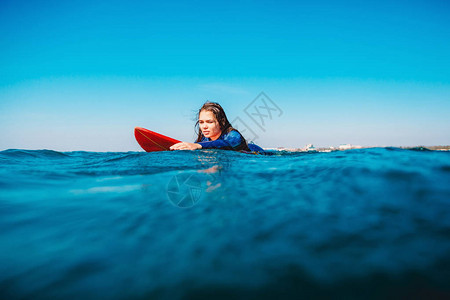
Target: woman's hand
point(186, 146)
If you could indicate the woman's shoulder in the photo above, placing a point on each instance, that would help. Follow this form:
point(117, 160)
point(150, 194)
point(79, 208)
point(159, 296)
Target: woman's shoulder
point(234, 137)
point(233, 134)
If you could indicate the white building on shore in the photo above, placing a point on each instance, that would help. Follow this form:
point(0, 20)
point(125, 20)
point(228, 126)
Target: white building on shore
point(348, 146)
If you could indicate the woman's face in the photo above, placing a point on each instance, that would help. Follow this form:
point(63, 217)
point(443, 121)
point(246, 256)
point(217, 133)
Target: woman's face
point(209, 125)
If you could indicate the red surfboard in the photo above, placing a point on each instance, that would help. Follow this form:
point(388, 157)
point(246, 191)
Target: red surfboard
point(151, 141)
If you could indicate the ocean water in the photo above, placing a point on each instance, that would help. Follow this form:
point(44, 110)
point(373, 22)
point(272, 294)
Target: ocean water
point(369, 223)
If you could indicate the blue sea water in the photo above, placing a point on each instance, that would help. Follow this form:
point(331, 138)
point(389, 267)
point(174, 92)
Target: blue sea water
point(368, 223)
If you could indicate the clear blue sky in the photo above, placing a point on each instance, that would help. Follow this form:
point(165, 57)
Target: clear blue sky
point(80, 75)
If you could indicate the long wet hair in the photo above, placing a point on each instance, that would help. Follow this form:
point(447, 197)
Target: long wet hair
point(221, 117)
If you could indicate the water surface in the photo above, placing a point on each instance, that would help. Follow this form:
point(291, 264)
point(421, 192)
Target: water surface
point(196, 224)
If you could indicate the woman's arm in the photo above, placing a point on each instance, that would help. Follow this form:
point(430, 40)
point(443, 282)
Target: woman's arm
point(185, 146)
point(230, 141)
point(217, 144)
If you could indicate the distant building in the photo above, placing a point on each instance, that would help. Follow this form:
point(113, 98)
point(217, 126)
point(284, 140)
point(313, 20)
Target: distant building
point(309, 148)
point(345, 146)
point(348, 146)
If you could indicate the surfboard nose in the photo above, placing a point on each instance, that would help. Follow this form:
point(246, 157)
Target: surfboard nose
point(152, 141)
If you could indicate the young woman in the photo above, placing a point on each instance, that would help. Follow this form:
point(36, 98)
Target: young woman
point(216, 132)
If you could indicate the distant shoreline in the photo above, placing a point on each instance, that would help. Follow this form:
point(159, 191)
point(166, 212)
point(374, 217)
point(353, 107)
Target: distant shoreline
point(304, 149)
point(310, 148)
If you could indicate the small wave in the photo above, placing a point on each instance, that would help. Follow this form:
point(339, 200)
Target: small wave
point(22, 153)
point(419, 149)
point(125, 156)
point(107, 189)
point(392, 148)
point(445, 168)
